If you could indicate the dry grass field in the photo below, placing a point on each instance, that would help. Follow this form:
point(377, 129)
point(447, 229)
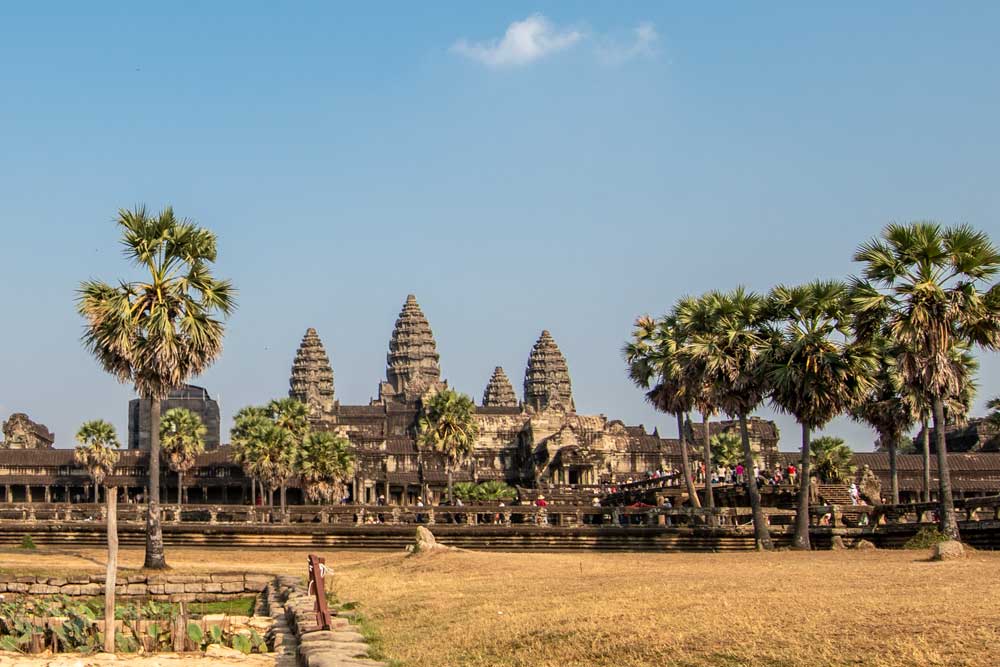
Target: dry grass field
point(817, 609)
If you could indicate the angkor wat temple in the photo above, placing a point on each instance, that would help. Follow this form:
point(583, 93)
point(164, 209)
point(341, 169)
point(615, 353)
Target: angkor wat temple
point(538, 442)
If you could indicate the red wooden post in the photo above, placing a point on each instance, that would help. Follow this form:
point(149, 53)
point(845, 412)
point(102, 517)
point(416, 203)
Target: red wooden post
point(317, 587)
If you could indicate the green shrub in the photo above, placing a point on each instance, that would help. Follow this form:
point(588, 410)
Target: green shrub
point(925, 539)
point(28, 543)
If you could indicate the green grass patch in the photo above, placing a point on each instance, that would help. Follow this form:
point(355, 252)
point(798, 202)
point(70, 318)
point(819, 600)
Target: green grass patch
point(925, 539)
point(235, 607)
point(28, 543)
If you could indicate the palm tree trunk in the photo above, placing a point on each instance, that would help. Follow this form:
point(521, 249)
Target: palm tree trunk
point(760, 532)
point(253, 492)
point(284, 497)
point(707, 442)
point(686, 462)
point(801, 540)
point(111, 498)
point(451, 495)
point(927, 460)
point(893, 471)
point(180, 488)
point(949, 524)
point(155, 558)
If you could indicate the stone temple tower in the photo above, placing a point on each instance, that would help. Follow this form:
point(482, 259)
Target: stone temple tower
point(312, 375)
point(546, 379)
point(412, 365)
point(499, 392)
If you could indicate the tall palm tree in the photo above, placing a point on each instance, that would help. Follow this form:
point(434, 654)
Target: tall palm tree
point(929, 285)
point(447, 425)
point(98, 453)
point(956, 407)
point(693, 316)
point(291, 421)
point(248, 438)
point(651, 359)
point(817, 370)
point(887, 409)
point(325, 462)
point(159, 331)
point(729, 344)
point(182, 438)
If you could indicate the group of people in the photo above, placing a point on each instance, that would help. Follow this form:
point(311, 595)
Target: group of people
point(738, 474)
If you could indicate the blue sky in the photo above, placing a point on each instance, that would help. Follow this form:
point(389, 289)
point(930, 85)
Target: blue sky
point(516, 166)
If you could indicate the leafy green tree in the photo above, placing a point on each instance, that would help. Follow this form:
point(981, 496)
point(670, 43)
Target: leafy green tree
point(97, 451)
point(831, 460)
point(651, 355)
point(727, 348)
point(727, 449)
point(158, 332)
point(888, 408)
point(325, 462)
point(495, 490)
point(928, 289)
point(447, 425)
point(817, 369)
point(182, 439)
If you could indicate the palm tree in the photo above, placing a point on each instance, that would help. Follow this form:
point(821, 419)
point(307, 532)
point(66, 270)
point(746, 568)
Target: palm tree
point(291, 421)
point(696, 317)
point(325, 462)
point(926, 284)
point(817, 370)
point(887, 409)
point(248, 438)
point(831, 460)
point(98, 453)
point(182, 438)
point(728, 345)
point(651, 359)
point(994, 406)
point(447, 425)
point(727, 448)
point(158, 332)
point(956, 408)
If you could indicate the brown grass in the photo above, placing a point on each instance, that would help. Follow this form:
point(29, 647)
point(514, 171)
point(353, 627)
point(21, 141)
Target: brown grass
point(881, 608)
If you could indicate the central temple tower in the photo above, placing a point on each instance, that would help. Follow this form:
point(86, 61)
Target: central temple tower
point(412, 364)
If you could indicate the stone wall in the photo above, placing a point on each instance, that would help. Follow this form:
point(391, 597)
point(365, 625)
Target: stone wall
point(161, 587)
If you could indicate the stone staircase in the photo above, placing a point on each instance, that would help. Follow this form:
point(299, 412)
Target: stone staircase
point(835, 494)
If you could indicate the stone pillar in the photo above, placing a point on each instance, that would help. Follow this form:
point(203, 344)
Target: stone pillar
point(27, 493)
point(386, 494)
point(48, 494)
point(66, 496)
point(7, 497)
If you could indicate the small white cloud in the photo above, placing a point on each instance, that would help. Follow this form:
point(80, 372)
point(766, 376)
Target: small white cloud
point(643, 44)
point(524, 42)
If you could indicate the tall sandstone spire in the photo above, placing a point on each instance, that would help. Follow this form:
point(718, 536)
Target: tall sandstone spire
point(312, 375)
point(412, 363)
point(499, 392)
point(546, 380)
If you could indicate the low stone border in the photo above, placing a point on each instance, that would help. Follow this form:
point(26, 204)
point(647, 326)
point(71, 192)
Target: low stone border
point(341, 646)
point(160, 587)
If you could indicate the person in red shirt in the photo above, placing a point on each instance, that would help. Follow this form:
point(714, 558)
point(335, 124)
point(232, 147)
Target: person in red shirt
point(541, 502)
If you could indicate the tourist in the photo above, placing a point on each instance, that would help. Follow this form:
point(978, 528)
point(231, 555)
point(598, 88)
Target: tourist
point(855, 494)
point(792, 473)
point(541, 502)
point(739, 473)
point(667, 505)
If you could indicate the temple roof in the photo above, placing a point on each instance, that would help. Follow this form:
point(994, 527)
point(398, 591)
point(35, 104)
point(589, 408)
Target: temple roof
point(312, 375)
point(499, 391)
point(546, 379)
point(412, 362)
